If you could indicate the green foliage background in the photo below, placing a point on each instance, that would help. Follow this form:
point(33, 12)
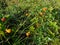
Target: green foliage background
point(24, 16)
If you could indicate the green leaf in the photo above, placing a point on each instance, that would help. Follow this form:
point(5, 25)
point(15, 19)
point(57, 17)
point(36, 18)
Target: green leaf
point(31, 28)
